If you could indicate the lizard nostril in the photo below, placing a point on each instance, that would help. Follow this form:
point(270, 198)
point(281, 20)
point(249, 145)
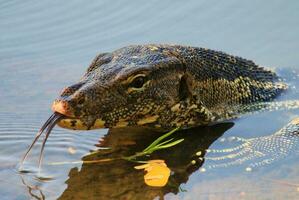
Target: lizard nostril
point(62, 107)
point(71, 89)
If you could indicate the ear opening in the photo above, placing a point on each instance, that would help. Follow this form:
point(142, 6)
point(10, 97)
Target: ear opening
point(184, 89)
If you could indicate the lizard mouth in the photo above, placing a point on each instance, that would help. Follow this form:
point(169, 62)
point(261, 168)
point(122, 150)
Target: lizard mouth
point(70, 121)
point(64, 118)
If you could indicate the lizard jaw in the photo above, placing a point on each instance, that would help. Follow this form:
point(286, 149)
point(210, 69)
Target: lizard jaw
point(77, 124)
point(70, 121)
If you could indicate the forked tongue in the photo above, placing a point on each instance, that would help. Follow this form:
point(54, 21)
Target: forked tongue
point(48, 126)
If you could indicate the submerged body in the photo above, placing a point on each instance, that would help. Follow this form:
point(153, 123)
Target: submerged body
point(165, 86)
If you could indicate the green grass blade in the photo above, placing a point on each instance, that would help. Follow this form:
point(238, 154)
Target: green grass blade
point(170, 144)
point(167, 141)
point(160, 139)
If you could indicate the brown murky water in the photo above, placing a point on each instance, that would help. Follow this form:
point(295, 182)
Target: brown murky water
point(47, 45)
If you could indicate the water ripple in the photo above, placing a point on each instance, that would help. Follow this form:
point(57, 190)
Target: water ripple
point(17, 132)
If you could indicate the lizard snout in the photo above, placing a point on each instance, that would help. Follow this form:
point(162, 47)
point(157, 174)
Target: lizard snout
point(62, 107)
point(72, 101)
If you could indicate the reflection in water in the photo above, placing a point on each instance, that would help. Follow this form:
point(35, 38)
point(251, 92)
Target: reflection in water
point(119, 180)
point(34, 191)
point(258, 151)
point(115, 178)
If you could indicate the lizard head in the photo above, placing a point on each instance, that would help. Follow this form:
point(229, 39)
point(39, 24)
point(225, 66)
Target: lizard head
point(132, 86)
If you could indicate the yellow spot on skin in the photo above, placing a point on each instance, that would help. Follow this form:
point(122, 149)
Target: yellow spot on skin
point(175, 108)
point(68, 124)
point(192, 106)
point(98, 124)
point(157, 173)
point(78, 125)
point(153, 48)
point(121, 124)
point(147, 120)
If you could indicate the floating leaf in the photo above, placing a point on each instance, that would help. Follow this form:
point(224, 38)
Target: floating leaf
point(157, 173)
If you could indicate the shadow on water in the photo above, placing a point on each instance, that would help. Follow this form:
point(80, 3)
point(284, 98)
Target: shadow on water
point(119, 180)
point(112, 178)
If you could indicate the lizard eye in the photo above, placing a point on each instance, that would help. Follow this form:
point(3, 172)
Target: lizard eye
point(138, 82)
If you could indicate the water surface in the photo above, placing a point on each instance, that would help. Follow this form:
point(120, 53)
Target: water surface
point(46, 45)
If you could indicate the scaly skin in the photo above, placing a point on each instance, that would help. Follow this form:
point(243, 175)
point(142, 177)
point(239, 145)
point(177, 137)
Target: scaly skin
point(164, 86)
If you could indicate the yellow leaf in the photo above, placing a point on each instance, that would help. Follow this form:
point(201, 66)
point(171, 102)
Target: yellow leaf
point(157, 173)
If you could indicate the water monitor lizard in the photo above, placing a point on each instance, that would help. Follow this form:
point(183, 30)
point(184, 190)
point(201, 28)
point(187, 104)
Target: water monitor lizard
point(163, 86)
